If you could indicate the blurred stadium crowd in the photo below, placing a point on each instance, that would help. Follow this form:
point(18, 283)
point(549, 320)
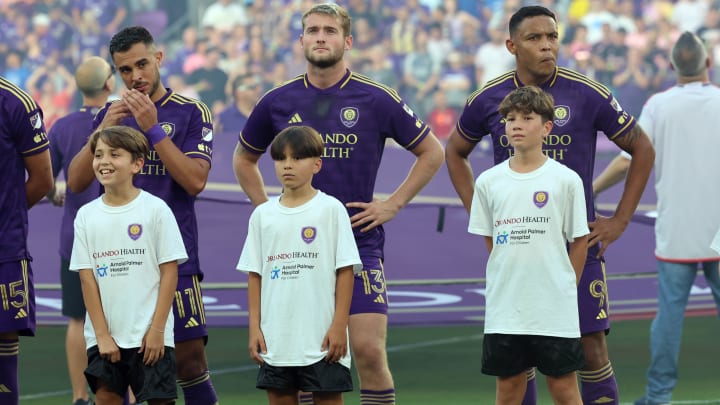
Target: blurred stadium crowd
point(435, 52)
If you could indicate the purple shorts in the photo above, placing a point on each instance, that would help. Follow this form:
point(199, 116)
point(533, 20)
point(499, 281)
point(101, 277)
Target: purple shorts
point(17, 298)
point(592, 294)
point(189, 309)
point(370, 290)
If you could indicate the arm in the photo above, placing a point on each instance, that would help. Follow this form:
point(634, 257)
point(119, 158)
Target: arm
point(614, 173)
point(607, 230)
point(335, 341)
point(245, 165)
point(429, 158)
point(457, 151)
point(190, 173)
point(488, 243)
point(153, 344)
point(578, 254)
point(39, 177)
point(91, 295)
point(256, 340)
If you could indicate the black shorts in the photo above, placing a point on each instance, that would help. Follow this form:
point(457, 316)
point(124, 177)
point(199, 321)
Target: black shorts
point(147, 382)
point(509, 355)
point(73, 305)
point(319, 377)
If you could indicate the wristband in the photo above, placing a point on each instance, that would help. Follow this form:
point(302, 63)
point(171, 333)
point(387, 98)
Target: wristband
point(155, 134)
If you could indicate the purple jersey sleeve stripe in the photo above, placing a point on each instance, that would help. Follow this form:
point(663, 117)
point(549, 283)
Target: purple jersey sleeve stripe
point(418, 138)
point(249, 147)
point(37, 149)
point(630, 124)
point(465, 136)
point(20, 94)
point(200, 154)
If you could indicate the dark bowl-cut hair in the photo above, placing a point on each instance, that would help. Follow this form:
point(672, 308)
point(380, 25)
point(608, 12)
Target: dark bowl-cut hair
point(129, 36)
point(122, 137)
point(527, 12)
point(529, 99)
point(303, 141)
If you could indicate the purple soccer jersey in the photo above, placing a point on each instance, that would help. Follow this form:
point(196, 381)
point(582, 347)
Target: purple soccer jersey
point(354, 117)
point(67, 136)
point(22, 134)
point(582, 108)
point(188, 123)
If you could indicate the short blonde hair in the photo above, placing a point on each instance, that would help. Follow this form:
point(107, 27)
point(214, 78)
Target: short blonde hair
point(333, 10)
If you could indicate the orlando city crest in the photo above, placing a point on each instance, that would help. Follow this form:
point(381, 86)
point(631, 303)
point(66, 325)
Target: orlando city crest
point(540, 198)
point(562, 115)
point(349, 116)
point(134, 231)
point(308, 234)
point(169, 128)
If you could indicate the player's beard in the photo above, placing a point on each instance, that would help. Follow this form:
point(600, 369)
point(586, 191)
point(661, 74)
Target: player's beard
point(324, 62)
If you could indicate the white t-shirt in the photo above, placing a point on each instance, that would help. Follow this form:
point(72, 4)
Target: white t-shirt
point(531, 284)
point(297, 251)
point(124, 246)
point(682, 123)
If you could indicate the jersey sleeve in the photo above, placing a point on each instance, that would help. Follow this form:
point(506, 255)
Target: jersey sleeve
point(56, 156)
point(80, 257)
point(26, 121)
point(471, 124)
point(199, 141)
point(347, 252)
point(403, 125)
point(575, 223)
point(480, 209)
point(251, 257)
point(170, 246)
point(97, 120)
point(612, 119)
point(258, 132)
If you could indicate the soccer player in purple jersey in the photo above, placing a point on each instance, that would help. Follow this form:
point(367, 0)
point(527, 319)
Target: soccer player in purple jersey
point(179, 130)
point(355, 116)
point(582, 108)
point(96, 80)
point(25, 178)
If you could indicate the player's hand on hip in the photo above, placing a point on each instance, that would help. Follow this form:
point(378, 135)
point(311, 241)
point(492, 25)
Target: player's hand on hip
point(256, 345)
point(153, 347)
point(373, 214)
point(108, 349)
point(604, 231)
point(142, 108)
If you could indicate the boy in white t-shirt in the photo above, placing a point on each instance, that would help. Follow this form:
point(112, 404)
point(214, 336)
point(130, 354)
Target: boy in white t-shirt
point(300, 256)
point(127, 242)
point(529, 208)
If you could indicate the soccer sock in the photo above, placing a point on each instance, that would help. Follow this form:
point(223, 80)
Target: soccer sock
point(599, 386)
point(9, 390)
point(369, 397)
point(199, 390)
point(306, 398)
point(531, 391)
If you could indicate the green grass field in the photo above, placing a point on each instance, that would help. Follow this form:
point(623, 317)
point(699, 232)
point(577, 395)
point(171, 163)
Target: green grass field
point(431, 365)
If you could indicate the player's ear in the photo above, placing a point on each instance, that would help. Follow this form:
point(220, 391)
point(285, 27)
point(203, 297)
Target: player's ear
point(159, 56)
point(138, 164)
point(318, 166)
point(510, 45)
point(348, 42)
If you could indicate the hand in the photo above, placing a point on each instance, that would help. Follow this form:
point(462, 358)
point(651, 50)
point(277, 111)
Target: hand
point(604, 231)
point(335, 342)
point(116, 112)
point(142, 108)
point(57, 196)
point(153, 346)
point(256, 345)
point(373, 214)
point(108, 349)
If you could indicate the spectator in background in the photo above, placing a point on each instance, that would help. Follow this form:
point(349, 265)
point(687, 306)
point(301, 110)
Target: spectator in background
point(420, 76)
point(110, 14)
point(438, 45)
point(209, 80)
point(380, 67)
point(15, 72)
point(632, 81)
point(224, 15)
point(596, 19)
point(54, 88)
point(442, 118)
point(689, 15)
point(187, 47)
point(492, 58)
point(89, 38)
point(246, 90)
point(455, 81)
